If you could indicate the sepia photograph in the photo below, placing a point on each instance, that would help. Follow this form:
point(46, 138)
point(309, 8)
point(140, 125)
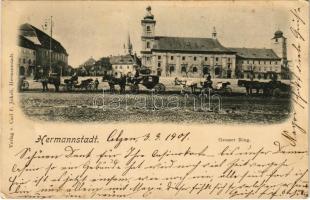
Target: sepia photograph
point(139, 63)
point(154, 99)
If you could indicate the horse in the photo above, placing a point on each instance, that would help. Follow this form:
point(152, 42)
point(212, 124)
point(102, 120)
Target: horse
point(185, 84)
point(112, 81)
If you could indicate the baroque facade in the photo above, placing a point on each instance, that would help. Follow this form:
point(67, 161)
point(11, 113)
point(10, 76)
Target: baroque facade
point(198, 57)
point(50, 54)
point(26, 56)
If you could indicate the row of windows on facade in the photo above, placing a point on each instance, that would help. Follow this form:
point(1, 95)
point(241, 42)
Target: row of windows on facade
point(194, 58)
point(24, 61)
point(258, 76)
point(216, 64)
point(194, 70)
point(26, 51)
point(121, 67)
point(229, 60)
point(258, 62)
point(260, 68)
point(55, 55)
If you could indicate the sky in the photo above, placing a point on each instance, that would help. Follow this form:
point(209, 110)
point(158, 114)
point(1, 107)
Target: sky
point(96, 29)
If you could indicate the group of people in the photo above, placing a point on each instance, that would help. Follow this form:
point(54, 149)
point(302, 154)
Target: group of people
point(55, 79)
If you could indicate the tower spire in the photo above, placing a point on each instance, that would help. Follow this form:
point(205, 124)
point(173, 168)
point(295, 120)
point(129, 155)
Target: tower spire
point(214, 33)
point(129, 45)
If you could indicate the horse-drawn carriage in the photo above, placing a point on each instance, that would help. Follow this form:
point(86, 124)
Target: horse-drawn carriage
point(24, 84)
point(142, 77)
point(71, 85)
point(205, 87)
point(271, 88)
point(148, 81)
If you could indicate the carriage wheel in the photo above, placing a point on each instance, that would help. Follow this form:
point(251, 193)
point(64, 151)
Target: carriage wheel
point(134, 88)
point(228, 91)
point(159, 87)
point(25, 85)
point(89, 87)
point(67, 87)
point(276, 92)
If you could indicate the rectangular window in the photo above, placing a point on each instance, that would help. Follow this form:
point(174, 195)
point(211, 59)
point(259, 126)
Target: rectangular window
point(183, 57)
point(195, 58)
point(115, 67)
point(127, 66)
point(276, 63)
point(248, 62)
point(206, 58)
point(228, 59)
point(159, 57)
point(171, 58)
point(159, 64)
point(216, 59)
point(270, 62)
point(258, 62)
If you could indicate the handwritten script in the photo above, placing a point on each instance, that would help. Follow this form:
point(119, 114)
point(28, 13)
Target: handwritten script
point(120, 166)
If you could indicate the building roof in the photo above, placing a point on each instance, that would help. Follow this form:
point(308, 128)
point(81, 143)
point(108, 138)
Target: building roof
point(124, 59)
point(188, 44)
point(255, 53)
point(24, 42)
point(40, 38)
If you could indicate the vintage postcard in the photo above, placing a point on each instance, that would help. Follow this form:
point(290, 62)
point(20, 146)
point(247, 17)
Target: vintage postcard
point(154, 99)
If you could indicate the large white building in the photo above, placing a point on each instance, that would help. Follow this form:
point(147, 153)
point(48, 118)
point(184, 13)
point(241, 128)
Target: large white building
point(197, 57)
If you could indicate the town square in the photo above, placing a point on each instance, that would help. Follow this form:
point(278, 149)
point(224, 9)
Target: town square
point(172, 78)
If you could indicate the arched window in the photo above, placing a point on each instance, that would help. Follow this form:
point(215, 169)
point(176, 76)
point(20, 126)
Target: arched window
point(183, 69)
point(22, 71)
point(171, 68)
point(205, 70)
point(217, 71)
point(229, 73)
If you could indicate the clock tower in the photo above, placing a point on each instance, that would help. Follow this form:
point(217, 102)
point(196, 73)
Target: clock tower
point(148, 36)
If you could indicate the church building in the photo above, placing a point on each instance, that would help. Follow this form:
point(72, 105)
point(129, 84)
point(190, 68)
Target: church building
point(197, 57)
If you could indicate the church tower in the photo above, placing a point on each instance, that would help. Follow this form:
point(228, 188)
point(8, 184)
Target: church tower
point(128, 46)
point(279, 46)
point(148, 36)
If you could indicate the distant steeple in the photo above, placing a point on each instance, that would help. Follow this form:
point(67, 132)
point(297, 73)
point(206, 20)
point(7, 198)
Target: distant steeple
point(129, 45)
point(214, 33)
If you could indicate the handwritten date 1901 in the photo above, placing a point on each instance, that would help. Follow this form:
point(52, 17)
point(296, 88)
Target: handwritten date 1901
point(117, 137)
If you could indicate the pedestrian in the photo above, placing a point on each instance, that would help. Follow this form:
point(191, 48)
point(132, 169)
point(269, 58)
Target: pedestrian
point(44, 82)
point(96, 84)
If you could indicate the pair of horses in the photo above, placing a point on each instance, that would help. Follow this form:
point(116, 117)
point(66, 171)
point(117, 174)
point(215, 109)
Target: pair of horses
point(113, 81)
